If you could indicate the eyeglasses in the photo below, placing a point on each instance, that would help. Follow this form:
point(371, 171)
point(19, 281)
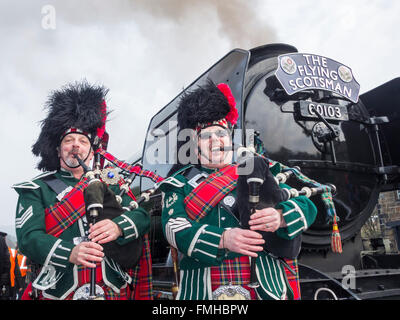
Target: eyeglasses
point(218, 133)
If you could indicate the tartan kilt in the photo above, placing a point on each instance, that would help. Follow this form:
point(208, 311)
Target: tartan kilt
point(109, 294)
point(84, 278)
point(235, 272)
point(140, 289)
point(293, 280)
point(142, 275)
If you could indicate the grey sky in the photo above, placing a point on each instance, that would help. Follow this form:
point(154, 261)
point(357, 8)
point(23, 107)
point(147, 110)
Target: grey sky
point(146, 51)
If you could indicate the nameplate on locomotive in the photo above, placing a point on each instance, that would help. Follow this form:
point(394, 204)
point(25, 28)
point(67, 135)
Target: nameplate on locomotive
point(327, 111)
point(300, 71)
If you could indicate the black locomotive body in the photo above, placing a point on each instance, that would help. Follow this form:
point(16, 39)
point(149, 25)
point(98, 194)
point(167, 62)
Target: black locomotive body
point(345, 141)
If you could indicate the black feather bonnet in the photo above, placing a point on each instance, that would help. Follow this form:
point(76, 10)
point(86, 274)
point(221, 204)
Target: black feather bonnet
point(77, 105)
point(207, 105)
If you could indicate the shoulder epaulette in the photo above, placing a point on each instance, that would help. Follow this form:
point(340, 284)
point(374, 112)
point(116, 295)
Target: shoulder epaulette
point(31, 184)
point(182, 170)
point(174, 181)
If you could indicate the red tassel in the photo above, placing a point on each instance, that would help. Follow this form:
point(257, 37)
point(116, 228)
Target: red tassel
point(336, 241)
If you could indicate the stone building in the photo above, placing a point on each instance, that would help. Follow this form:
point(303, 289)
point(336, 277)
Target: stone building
point(382, 230)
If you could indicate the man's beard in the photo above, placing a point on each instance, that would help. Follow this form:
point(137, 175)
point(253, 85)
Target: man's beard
point(71, 162)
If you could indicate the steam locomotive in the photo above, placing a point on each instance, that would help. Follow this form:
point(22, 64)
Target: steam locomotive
point(307, 112)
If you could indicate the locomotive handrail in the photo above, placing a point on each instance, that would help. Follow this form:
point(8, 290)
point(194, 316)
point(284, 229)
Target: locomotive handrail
point(324, 289)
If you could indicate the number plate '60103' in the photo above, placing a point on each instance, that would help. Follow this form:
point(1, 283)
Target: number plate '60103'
point(328, 111)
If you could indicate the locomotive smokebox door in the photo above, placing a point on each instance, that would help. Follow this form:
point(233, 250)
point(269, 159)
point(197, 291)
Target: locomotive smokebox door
point(307, 111)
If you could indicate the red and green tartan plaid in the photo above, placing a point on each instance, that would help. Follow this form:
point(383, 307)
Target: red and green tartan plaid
point(235, 272)
point(63, 214)
point(142, 275)
point(210, 192)
point(293, 280)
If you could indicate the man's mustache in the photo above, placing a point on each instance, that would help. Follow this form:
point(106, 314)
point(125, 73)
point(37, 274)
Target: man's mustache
point(224, 148)
point(75, 152)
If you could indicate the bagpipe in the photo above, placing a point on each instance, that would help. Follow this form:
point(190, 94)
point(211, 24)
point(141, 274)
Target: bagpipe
point(258, 188)
point(102, 203)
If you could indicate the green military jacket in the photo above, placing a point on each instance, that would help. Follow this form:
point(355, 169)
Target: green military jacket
point(199, 241)
point(58, 276)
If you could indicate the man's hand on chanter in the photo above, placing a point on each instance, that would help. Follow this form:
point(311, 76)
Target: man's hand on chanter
point(246, 242)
